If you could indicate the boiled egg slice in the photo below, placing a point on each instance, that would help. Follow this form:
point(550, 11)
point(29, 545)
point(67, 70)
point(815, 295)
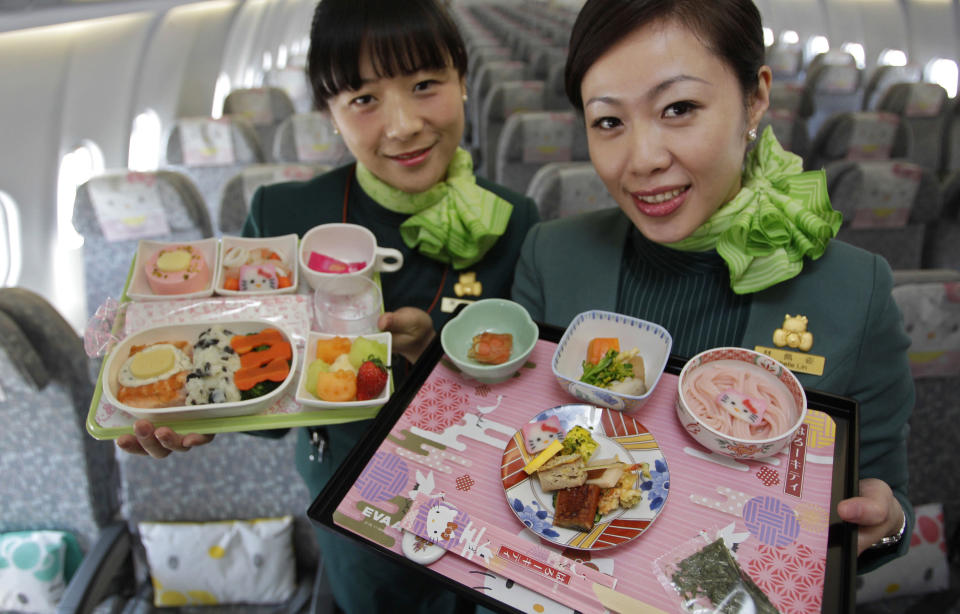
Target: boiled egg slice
point(153, 364)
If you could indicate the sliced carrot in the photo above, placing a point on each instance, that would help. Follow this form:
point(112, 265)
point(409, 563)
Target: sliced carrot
point(283, 282)
point(599, 346)
point(231, 283)
point(337, 386)
point(276, 371)
point(329, 349)
point(244, 343)
point(256, 359)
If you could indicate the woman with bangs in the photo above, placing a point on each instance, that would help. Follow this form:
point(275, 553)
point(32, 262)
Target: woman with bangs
point(719, 233)
point(391, 77)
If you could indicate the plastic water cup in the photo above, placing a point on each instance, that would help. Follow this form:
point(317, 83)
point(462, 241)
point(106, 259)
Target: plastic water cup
point(349, 305)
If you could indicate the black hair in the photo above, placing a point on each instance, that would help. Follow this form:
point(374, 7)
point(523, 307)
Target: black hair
point(732, 29)
point(402, 37)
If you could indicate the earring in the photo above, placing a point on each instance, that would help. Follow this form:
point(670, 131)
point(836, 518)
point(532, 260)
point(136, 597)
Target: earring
point(752, 135)
point(336, 130)
point(464, 97)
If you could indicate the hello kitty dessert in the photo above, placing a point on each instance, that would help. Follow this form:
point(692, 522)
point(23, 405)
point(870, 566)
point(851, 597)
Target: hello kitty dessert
point(180, 269)
point(255, 270)
point(538, 435)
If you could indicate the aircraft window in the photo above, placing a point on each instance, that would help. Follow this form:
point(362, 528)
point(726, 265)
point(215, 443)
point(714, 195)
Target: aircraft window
point(856, 50)
point(892, 57)
point(815, 46)
point(944, 72)
point(76, 167)
point(267, 60)
point(789, 37)
point(144, 154)
point(282, 57)
point(10, 246)
point(252, 78)
point(220, 91)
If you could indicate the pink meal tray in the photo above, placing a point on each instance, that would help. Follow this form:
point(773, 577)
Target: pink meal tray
point(451, 432)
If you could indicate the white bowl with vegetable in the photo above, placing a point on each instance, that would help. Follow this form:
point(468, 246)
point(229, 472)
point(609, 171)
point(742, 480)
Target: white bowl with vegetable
point(613, 377)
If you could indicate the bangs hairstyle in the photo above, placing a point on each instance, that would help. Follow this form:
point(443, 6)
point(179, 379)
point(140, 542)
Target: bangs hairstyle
point(731, 29)
point(402, 38)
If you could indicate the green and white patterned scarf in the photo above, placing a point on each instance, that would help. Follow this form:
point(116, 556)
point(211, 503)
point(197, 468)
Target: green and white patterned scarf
point(455, 221)
point(780, 215)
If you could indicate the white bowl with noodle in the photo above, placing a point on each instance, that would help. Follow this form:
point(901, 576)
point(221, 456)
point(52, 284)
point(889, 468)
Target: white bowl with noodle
point(741, 377)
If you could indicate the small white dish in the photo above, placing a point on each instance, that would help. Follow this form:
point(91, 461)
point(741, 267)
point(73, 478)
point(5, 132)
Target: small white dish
point(191, 333)
point(309, 399)
point(139, 288)
point(284, 246)
point(652, 340)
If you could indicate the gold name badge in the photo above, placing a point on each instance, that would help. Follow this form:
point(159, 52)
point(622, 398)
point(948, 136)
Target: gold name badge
point(448, 304)
point(799, 362)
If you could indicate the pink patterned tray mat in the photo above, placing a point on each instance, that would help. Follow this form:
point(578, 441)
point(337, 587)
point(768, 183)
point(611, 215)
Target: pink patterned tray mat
point(776, 512)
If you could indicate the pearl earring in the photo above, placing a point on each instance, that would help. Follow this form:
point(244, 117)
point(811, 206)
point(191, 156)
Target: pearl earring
point(752, 135)
point(464, 97)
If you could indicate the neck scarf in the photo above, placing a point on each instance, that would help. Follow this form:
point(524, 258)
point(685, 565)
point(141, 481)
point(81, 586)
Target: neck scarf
point(780, 215)
point(454, 221)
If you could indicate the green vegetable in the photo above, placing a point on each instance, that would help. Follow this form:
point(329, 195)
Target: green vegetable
point(713, 573)
point(258, 390)
point(609, 369)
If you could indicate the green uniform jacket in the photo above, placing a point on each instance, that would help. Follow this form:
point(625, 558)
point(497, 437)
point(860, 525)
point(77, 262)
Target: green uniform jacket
point(572, 265)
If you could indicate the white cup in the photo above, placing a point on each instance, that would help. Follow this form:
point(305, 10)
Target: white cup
point(347, 305)
point(348, 243)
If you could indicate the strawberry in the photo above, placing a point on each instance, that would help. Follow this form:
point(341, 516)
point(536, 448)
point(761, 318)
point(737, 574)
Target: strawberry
point(371, 378)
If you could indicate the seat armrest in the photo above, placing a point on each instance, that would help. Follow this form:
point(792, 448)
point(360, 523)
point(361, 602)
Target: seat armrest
point(101, 573)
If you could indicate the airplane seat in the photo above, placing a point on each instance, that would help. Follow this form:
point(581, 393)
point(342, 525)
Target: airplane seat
point(951, 145)
point(789, 96)
point(503, 100)
point(211, 151)
point(116, 209)
point(309, 138)
point(566, 188)
point(923, 108)
point(858, 135)
point(56, 478)
point(481, 54)
point(786, 62)
point(886, 205)
point(832, 84)
point(238, 192)
point(925, 579)
point(488, 74)
point(789, 128)
point(533, 138)
point(941, 249)
point(264, 107)
point(885, 76)
point(219, 537)
point(555, 93)
point(544, 57)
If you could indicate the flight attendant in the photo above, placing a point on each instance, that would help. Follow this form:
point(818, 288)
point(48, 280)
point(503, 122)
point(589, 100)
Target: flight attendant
point(721, 245)
point(391, 76)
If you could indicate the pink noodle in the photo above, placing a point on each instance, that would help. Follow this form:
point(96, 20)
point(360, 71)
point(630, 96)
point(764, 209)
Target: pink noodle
point(704, 384)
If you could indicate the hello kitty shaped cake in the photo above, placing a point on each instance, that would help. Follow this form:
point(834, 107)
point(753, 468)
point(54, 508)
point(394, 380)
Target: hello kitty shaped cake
point(538, 435)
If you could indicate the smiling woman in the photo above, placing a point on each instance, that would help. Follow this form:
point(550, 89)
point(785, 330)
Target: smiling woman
point(715, 242)
point(390, 75)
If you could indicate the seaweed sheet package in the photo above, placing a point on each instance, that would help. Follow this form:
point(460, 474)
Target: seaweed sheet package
point(709, 580)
